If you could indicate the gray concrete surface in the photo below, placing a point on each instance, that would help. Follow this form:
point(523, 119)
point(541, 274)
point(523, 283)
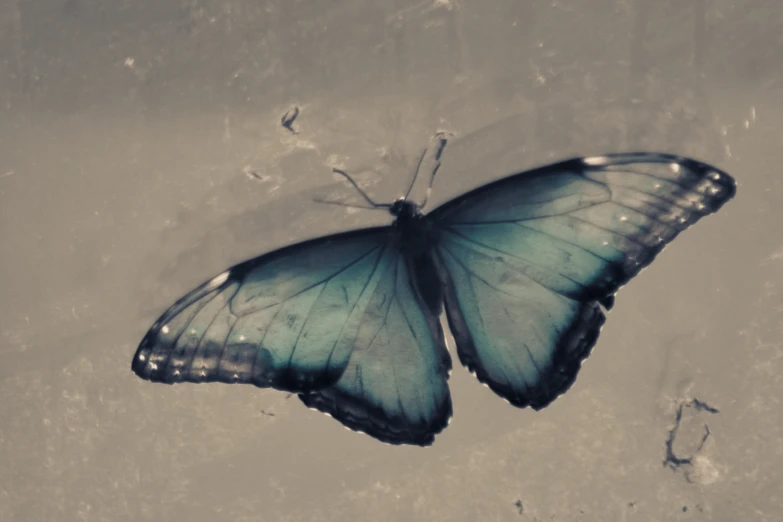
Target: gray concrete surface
point(141, 152)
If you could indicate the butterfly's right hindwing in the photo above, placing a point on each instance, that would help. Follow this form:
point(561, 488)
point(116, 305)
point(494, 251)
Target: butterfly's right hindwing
point(286, 320)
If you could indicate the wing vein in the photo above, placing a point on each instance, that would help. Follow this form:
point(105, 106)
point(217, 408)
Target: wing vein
point(304, 323)
point(322, 281)
point(474, 274)
point(647, 175)
point(325, 280)
point(556, 238)
point(632, 240)
point(526, 261)
point(201, 339)
point(383, 323)
point(364, 288)
point(647, 228)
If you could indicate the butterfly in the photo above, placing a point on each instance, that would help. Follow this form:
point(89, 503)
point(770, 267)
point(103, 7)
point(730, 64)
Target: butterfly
point(525, 267)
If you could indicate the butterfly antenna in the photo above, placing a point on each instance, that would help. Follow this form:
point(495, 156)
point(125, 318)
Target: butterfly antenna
point(415, 174)
point(359, 190)
point(341, 204)
point(442, 141)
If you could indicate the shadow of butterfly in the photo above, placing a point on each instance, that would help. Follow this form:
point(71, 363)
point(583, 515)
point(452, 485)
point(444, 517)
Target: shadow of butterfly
point(525, 268)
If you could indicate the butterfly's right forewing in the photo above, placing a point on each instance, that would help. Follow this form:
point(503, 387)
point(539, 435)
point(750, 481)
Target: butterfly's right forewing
point(530, 260)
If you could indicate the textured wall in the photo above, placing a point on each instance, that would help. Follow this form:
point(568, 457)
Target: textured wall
point(141, 152)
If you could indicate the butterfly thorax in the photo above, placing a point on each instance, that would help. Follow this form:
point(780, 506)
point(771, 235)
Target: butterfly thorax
point(403, 209)
point(410, 224)
point(414, 242)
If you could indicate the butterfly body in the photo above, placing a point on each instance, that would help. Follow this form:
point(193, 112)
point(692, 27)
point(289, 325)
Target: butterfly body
point(411, 228)
point(525, 268)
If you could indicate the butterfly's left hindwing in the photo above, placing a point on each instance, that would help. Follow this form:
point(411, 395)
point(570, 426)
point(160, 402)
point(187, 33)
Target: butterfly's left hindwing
point(395, 385)
point(529, 259)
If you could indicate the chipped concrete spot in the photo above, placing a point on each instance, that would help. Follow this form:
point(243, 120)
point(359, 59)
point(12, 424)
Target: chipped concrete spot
point(687, 443)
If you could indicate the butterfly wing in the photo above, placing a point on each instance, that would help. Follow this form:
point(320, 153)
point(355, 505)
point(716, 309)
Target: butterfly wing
point(531, 260)
point(299, 318)
point(395, 385)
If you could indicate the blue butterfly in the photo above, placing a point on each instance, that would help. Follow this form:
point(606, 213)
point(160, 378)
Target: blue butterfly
point(525, 268)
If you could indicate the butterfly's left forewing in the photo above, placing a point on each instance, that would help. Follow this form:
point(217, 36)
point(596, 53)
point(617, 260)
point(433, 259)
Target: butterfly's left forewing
point(335, 319)
point(285, 320)
point(531, 260)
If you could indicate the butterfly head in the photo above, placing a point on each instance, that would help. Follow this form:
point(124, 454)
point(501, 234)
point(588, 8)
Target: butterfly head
point(404, 210)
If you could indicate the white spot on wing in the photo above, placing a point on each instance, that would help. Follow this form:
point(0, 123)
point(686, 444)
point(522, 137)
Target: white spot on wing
point(675, 167)
point(165, 329)
point(219, 280)
point(596, 161)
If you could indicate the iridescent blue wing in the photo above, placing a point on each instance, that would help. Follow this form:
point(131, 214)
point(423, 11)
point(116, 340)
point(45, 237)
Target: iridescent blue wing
point(303, 319)
point(394, 386)
point(532, 260)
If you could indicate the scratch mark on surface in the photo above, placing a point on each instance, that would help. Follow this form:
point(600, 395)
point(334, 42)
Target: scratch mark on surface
point(287, 121)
